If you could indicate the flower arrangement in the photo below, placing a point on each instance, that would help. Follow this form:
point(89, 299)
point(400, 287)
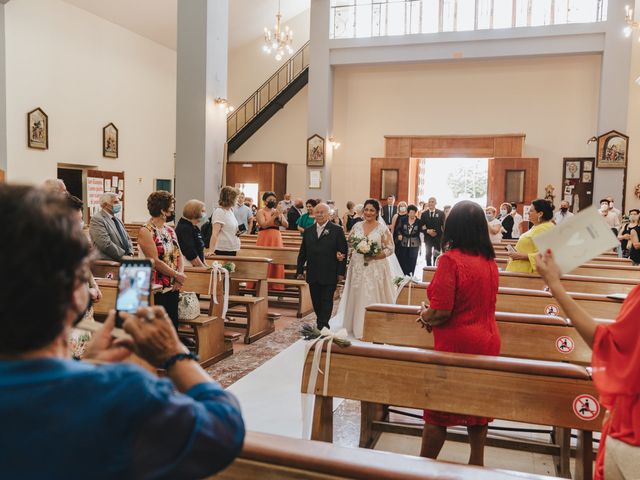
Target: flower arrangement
point(309, 332)
point(366, 247)
point(229, 266)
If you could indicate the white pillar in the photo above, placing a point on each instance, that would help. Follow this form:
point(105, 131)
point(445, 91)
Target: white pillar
point(614, 97)
point(3, 91)
point(320, 93)
point(201, 131)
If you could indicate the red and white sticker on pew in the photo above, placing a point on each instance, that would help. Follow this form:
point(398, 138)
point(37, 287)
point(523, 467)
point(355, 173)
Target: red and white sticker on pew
point(586, 407)
point(552, 309)
point(565, 344)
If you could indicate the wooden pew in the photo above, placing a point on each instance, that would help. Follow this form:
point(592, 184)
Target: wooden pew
point(596, 270)
point(289, 257)
point(573, 283)
point(254, 308)
point(105, 269)
point(274, 457)
point(537, 337)
point(520, 300)
point(528, 391)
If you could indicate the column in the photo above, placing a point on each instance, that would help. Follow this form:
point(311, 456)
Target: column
point(614, 97)
point(320, 93)
point(201, 77)
point(3, 92)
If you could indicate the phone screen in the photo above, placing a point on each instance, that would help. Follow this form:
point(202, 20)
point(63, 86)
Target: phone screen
point(134, 287)
point(510, 249)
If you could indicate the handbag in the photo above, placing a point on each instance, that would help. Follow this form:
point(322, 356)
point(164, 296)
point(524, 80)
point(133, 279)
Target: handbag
point(188, 306)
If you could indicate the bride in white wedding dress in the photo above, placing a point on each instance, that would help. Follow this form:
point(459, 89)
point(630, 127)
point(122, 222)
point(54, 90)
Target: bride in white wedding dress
point(369, 280)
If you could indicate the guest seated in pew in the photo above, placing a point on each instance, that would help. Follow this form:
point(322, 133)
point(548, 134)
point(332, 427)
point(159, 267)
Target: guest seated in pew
point(307, 219)
point(189, 234)
point(110, 239)
point(461, 313)
point(103, 419)
point(270, 219)
point(615, 361)
point(224, 234)
point(523, 260)
point(159, 242)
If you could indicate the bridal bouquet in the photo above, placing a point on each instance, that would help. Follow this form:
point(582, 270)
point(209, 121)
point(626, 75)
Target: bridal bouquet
point(366, 247)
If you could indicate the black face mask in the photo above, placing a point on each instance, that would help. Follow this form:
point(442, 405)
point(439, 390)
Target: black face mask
point(271, 204)
point(564, 209)
point(171, 217)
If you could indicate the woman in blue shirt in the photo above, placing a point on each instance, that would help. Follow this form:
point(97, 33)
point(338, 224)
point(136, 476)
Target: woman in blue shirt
point(98, 419)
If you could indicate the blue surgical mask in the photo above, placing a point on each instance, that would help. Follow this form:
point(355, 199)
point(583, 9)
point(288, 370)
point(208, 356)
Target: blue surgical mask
point(503, 211)
point(203, 217)
point(489, 217)
point(117, 208)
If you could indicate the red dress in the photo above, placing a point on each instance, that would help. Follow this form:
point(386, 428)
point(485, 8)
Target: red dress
point(467, 285)
point(616, 374)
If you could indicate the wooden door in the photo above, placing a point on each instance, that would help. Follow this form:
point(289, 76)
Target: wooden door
point(1, 175)
point(512, 180)
point(394, 176)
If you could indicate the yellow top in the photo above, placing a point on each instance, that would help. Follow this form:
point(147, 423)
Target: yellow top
point(525, 245)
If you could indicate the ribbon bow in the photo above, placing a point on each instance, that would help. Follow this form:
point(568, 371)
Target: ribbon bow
point(217, 271)
point(326, 336)
point(407, 280)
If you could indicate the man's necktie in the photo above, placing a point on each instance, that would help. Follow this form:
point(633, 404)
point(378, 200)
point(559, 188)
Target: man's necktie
point(123, 236)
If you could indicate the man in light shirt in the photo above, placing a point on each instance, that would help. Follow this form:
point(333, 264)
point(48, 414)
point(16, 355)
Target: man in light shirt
point(614, 209)
point(611, 217)
point(563, 213)
point(517, 220)
point(286, 204)
point(243, 214)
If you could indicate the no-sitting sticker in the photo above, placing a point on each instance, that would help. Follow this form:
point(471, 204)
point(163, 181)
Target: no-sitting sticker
point(565, 344)
point(586, 407)
point(552, 309)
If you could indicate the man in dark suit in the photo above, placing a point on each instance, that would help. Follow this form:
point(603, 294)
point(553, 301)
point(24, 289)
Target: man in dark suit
point(433, 223)
point(389, 210)
point(324, 250)
point(294, 213)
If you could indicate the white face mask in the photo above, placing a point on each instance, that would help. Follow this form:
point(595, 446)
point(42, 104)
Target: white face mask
point(503, 211)
point(402, 210)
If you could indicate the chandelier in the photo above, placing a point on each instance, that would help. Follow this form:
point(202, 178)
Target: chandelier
point(279, 41)
point(631, 23)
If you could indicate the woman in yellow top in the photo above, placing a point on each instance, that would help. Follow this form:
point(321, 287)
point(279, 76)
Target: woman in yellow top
point(523, 260)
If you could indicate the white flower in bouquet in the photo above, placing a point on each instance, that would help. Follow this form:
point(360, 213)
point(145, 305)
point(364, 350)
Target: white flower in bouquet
point(363, 247)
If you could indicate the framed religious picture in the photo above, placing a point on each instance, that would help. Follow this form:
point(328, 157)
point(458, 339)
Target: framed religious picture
point(110, 141)
point(572, 170)
point(613, 150)
point(315, 151)
point(38, 129)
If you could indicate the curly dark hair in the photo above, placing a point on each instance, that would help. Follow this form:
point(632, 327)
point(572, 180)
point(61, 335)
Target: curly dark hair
point(466, 229)
point(158, 201)
point(311, 202)
point(374, 203)
point(545, 207)
point(33, 218)
point(266, 195)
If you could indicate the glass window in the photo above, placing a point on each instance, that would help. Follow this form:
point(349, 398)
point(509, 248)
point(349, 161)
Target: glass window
point(448, 15)
point(343, 22)
point(522, 13)
point(502, 13)
point(396, 18)
point(430, 16)
point(465, 15)
point(485, 12)
point(540, 12)
point(364, 21)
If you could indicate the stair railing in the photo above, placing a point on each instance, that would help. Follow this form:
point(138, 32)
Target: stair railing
point(269, 90)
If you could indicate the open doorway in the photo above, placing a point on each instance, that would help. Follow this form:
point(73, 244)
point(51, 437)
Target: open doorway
point(72, 178)
point(451, 180)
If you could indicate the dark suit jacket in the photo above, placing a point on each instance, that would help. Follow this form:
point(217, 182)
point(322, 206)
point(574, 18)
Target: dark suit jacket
point(436, 223)
point(319, 254)
point(388, 213)
point(292, 217)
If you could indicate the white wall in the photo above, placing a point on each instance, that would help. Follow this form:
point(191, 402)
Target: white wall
point(250, 67)
point(633, 166)
point(85, 72)
point(553, 100)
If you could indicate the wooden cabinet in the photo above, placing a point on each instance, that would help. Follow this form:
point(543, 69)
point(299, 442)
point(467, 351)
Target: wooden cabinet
point(394, 176)
point(270, 176)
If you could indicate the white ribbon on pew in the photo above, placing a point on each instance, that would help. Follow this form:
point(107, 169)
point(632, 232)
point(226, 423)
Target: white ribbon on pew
point(407, 280)
point(326, 336)
point(218, 271)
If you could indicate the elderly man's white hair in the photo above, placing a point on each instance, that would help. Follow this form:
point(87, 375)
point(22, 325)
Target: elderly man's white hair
point(359, 208)
point(106, 198)
point(323, 205)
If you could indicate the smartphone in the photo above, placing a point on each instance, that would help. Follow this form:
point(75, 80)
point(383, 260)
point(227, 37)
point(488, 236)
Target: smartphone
point(134, 287)
point(241, 229)
point(510, 249)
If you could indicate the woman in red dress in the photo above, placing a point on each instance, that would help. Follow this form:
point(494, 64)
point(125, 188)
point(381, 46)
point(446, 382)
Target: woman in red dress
point(461, 313)
point(616, 374)
point(270, 219)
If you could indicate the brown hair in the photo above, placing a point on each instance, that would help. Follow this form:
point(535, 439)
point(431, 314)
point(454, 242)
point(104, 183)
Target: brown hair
point(192, 209)
point(158, 201)
point(228, 196)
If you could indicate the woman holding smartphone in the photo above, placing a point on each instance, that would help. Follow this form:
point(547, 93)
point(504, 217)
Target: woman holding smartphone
point(158, 242)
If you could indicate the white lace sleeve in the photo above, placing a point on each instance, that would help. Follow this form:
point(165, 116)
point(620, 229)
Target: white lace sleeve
point(387, 242)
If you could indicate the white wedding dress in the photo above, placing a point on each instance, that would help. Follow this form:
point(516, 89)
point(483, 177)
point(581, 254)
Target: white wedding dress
point(366, 284)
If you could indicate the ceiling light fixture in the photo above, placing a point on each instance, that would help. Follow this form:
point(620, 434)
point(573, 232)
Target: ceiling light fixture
point(279, 41)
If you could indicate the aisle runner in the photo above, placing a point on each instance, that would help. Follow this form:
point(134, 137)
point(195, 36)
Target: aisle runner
point(270, 395)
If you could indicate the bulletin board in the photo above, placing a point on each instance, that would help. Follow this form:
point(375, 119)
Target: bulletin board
point(577, 182)
point(99, 182)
